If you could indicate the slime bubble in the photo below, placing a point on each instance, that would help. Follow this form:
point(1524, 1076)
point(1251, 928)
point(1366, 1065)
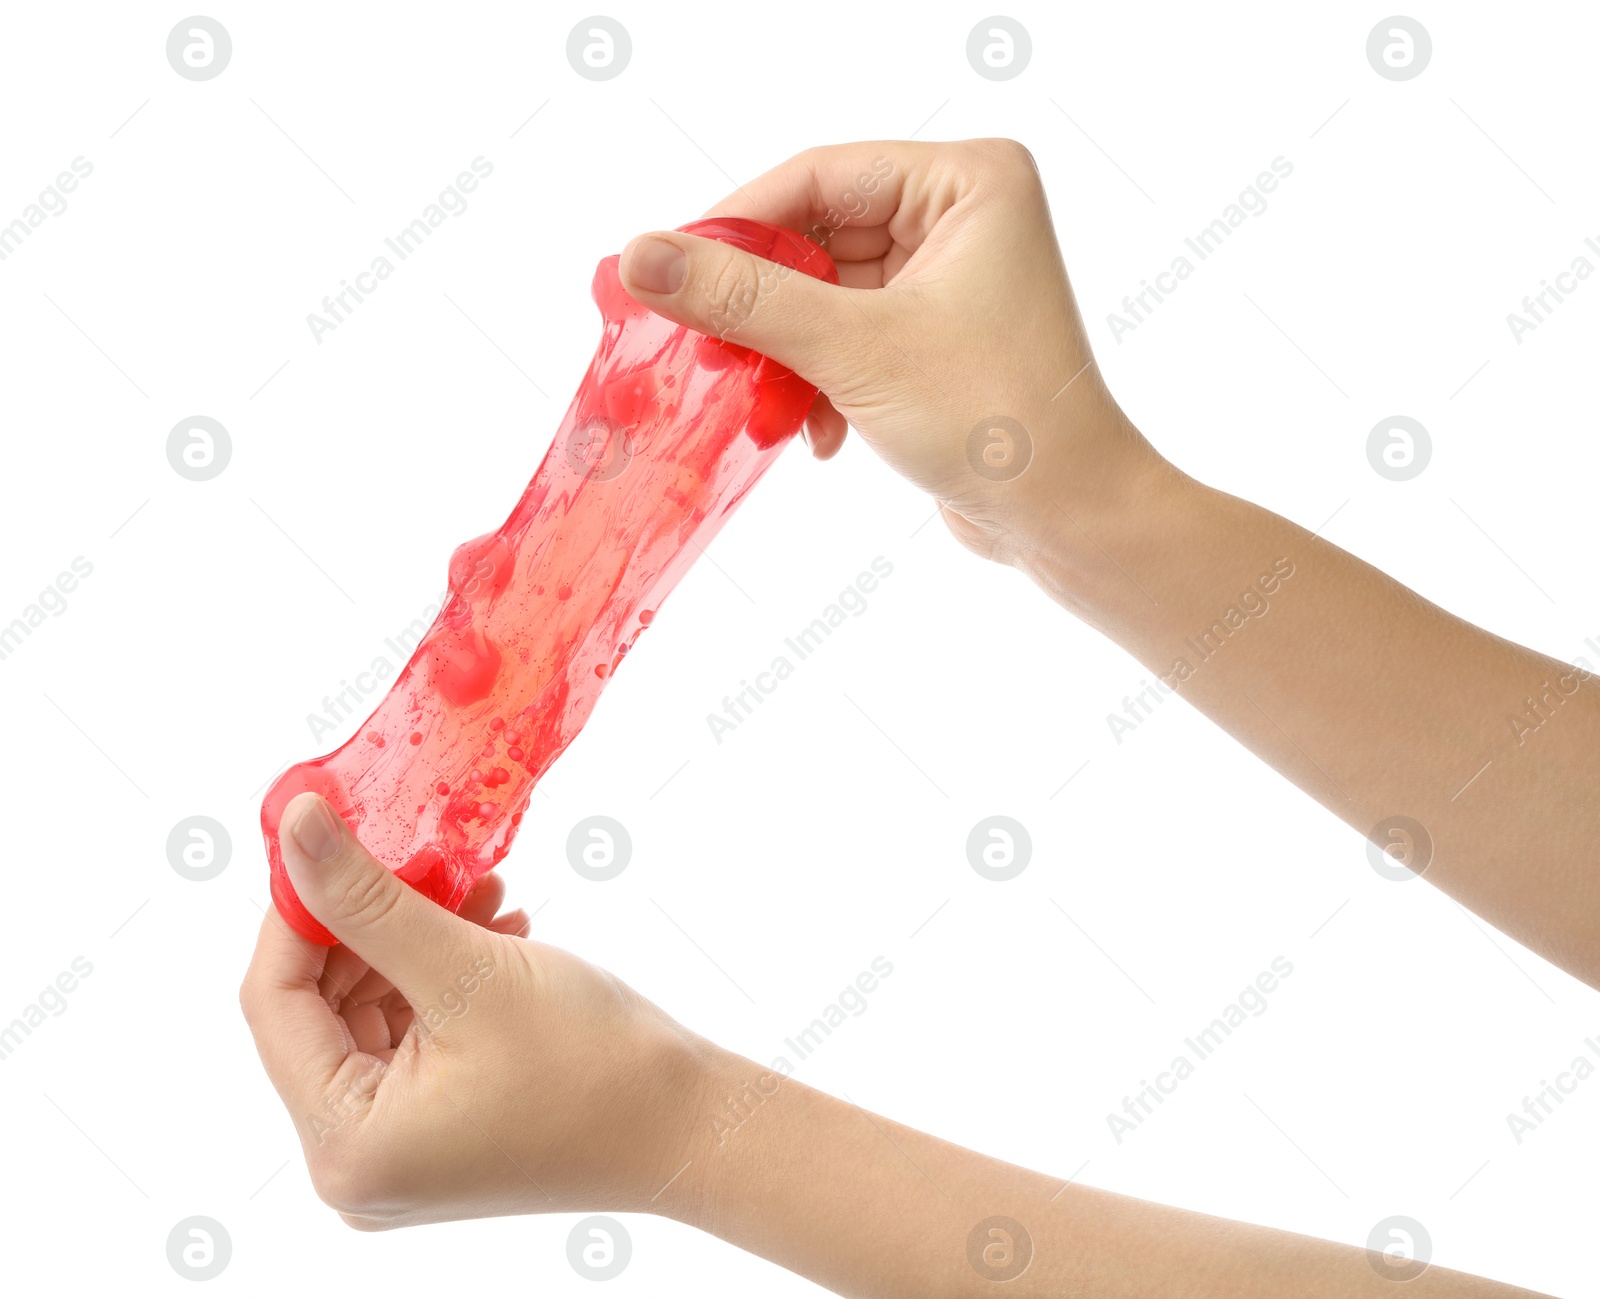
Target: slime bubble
point(668, 432)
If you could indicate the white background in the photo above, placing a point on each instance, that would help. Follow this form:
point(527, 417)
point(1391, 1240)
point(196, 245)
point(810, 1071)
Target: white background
point(181, 674)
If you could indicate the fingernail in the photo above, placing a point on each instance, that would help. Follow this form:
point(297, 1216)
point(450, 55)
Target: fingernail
point(657, 266)
point(317, 832)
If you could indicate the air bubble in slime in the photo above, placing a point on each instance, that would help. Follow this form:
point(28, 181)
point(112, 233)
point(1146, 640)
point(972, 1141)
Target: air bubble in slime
point(668, 432)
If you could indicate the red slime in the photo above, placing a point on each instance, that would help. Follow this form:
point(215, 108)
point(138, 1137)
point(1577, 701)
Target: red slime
point(668, 432)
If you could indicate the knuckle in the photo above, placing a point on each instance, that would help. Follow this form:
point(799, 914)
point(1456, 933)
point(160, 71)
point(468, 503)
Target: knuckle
point(1009, 157)
point(368, 895)
point(730, 290)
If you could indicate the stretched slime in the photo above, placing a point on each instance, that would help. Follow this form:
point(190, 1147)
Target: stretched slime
point(668, 432)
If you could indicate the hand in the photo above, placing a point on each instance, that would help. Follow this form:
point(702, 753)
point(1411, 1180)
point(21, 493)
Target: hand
point(440, 1066)
point(953, 324)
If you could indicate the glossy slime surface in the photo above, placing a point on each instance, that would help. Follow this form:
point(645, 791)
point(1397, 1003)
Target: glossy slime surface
point(668, 432)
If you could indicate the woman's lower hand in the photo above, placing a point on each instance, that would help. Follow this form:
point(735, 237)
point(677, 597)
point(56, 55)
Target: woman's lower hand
point(440, 1066)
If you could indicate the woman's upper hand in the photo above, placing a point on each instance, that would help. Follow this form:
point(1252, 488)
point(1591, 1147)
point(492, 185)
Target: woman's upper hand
point(953, 342)
point(440, 1066)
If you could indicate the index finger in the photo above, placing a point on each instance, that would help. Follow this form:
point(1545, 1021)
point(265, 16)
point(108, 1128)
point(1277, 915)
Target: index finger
point(822, 189)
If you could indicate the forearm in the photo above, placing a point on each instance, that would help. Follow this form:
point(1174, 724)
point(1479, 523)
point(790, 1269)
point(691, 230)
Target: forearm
point(867, 1207)
point(1376, 702)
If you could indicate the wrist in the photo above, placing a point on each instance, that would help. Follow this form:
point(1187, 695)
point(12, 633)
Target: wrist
point(660, 1130)
point(1088, 532)
point(722, 1097)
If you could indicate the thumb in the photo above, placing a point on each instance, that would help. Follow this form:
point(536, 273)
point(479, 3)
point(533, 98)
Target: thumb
point(396, 930)
point(798, 320)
